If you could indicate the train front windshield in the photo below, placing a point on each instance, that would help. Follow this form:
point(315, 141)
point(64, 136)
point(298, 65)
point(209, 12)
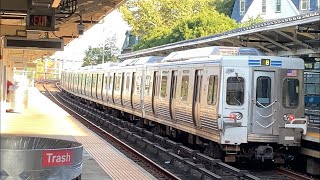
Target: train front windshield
point(290, 97)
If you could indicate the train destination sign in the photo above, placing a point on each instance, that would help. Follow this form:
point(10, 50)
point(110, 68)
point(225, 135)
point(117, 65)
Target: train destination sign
point(265, 62)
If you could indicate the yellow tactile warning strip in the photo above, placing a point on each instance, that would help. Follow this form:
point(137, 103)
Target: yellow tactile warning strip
point(44, 118)
point(312, 134)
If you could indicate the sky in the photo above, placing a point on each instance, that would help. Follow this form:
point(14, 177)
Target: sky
point(111, 25)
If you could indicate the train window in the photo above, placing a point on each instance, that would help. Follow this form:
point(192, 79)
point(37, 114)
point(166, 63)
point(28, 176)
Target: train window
point(117, 81)
point(235, 91)
point(290, 98)
point(263, 91)
point(147, 85)
point(127, 83)
point(212, 90)
point(110, 83)
point(94, 81)
point(184, 88)
point(163, 92)
point(106, 82)
point(138, 81)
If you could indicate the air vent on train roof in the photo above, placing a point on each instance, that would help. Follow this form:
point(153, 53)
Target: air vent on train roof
point(210, 51)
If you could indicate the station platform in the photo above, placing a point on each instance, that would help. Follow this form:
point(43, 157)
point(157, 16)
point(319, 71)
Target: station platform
point(43, 118)
point(312, 136)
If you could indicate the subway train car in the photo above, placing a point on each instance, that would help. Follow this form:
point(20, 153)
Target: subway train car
point(230, 102)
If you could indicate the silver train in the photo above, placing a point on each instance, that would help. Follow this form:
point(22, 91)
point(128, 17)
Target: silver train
point(232, 102)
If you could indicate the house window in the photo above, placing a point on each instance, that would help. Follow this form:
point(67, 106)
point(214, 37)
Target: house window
point(242, 7)
point(264, 6)
point(304, 5)
point(278, 6)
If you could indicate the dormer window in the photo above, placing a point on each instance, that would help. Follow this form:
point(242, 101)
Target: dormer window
point(242, 7)
point(264, 7)
point(304, 5)
point(278, 6)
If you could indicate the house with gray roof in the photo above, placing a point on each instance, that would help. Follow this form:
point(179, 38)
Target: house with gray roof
point(243, 10)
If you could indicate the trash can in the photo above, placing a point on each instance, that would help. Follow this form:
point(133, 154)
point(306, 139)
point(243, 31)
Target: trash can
point(30, 158)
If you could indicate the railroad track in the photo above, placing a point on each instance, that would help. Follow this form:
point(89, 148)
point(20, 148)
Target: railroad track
point(181, 161)
point(153, 168)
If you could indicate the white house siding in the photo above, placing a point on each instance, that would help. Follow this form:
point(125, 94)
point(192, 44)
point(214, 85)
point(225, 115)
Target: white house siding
point(287, 10)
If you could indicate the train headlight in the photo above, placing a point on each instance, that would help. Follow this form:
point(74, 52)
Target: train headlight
point(236, 116)
point(288, 117)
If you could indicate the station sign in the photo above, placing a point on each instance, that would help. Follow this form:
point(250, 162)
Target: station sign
point(37, 44)
point(41, 20)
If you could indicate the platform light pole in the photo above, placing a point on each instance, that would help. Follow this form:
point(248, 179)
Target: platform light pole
point(104, 42)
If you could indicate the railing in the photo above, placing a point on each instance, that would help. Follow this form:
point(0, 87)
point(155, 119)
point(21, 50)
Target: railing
point(314, 118)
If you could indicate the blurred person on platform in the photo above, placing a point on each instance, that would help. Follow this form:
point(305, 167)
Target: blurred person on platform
point(9, 83)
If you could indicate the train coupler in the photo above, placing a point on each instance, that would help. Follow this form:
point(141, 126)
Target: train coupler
point(263, 153)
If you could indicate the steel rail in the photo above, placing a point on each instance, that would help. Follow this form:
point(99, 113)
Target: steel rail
point(292, 174)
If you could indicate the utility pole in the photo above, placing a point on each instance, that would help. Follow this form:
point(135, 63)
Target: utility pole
point(104, 44)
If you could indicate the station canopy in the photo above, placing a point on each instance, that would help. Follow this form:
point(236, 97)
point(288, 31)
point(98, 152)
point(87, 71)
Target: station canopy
point(47, 24)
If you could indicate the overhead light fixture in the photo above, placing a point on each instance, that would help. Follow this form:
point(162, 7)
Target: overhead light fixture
point(55, 3)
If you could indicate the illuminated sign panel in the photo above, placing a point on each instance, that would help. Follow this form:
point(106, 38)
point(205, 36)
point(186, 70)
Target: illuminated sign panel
point(41, 20)
point(265, 62)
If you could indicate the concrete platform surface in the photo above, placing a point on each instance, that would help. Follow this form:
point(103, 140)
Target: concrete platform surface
point(43, 118)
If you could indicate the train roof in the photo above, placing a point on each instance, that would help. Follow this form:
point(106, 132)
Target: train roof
point(208, 52)
point(141, 61)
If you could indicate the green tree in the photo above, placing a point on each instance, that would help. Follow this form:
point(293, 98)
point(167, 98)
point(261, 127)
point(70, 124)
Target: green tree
point(94, 55)
point(146, 15)
point(202, 24)
point(159, 22)
point(224, 6)
point(252, 21)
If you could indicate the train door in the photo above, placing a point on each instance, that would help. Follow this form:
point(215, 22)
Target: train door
point(102, 86)
point(122, 88)
point(173, 88)
point(196, 97)
point(133, 82)
point(113, 86)
point(155, 90)
point(264, 102)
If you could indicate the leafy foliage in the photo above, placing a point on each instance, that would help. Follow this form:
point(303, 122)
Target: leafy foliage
point(252, 21)
point(199, 25)
point(159, 22)
point(224, 6)
point(93, 55)
point(146, 15)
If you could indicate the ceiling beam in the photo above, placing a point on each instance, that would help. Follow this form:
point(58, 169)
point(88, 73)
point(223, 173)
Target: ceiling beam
point(253, 44)
point(294, 40)
point(273, 42)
